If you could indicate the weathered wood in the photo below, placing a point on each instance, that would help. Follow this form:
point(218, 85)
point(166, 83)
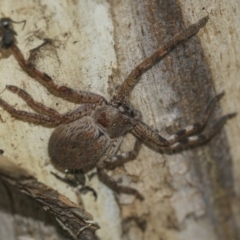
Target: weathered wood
point(74, 219)
point(95, 44)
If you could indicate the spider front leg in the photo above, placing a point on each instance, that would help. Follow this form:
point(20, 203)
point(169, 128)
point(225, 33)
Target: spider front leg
point(37, 106)
point(29, 117)
point(40, 108)
point(133, 78)
point(53, 118)
point(198, 126)
point(203, 137)
point(8, 41)
point(65, 92)
point(185, 137)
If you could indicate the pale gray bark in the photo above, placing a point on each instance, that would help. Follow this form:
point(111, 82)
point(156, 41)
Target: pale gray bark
point(189, 195)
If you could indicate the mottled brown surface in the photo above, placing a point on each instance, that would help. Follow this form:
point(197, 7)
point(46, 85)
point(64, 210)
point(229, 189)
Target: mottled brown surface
point(186, 72)
point(171, 95)
point(82, 138)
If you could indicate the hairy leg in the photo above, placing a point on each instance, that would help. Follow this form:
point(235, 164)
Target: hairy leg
point(65, 92)
point(198, 126)
point(30, 117)
point(37, 106)
point(133, 78)
point(152, 138)
point(203, 137)
point(40, 108)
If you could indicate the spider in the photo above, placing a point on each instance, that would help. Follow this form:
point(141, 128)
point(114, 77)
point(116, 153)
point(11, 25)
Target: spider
point(90, 135)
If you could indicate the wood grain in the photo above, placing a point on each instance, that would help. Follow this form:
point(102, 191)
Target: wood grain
point(189, 195)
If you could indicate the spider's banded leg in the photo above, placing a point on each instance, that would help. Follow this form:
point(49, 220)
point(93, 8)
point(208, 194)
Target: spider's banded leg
point(111, 183)
point(133, 78)
point(29, 117)
point(37, 106)
point(125, 157)
point(40, 108)
point(65, 92)
point(203, 137)
point(152, 138)
point(79, 112)
point(197, 126)
point(149, 136)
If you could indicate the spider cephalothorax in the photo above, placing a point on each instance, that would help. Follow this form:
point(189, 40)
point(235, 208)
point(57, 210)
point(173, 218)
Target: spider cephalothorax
point(90, 135)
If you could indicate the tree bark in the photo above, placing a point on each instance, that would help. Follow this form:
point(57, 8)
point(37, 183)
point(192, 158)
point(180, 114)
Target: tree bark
point(93, 46)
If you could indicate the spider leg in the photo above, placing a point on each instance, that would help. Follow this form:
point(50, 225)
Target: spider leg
point(198, 126)
point(65, 92)
point(79, 112)
point(40, 108)
point(152, 138)
point(203, 137)
point(111, 183)
point(29, 117)
point(125, 157)
point(149, 136)
point(133, 78)
point(37, 106)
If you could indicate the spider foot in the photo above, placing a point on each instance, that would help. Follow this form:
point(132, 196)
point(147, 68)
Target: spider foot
point(203, 137)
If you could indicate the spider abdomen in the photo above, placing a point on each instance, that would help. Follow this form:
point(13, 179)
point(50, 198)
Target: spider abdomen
point(77, 145)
